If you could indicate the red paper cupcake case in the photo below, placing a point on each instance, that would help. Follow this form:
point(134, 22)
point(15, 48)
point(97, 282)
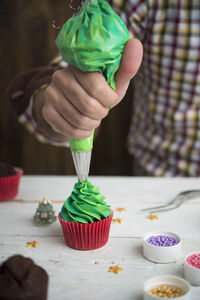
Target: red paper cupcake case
point(86, 236)
point(9, 185)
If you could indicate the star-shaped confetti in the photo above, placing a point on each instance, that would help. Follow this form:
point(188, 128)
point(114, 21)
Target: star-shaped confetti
point(33, 244)
point(115, 269)
point(121, 209)
point(152, 217)
point(118, 220)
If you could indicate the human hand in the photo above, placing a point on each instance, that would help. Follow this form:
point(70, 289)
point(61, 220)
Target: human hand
point(77, 101)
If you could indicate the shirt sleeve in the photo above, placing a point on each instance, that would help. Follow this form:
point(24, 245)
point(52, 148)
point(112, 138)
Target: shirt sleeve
point(24, 85)
point(22, 90)
point(134, 13)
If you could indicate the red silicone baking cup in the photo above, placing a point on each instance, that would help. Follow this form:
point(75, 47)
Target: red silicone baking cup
point(88, 236)
point(9, 185)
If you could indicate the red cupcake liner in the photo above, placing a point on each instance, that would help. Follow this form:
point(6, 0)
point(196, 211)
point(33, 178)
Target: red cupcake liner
point(88, 236)
point(9, 185)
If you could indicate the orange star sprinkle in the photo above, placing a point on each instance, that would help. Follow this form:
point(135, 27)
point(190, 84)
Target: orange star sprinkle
point(115, 269)
point(121, 209)
point(152, 217)
point(33, 244)
point(118, 221)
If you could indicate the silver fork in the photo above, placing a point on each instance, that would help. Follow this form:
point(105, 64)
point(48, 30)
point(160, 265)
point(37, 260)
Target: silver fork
point(175, 202)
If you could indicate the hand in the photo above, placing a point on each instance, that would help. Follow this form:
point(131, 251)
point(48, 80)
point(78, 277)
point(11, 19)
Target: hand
point(76, 101)
point(44, 126)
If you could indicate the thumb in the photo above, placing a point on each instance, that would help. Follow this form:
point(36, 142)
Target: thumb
point(129, 65)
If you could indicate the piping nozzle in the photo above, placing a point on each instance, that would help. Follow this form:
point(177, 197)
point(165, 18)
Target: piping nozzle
point(82, 164)
point(81, 154)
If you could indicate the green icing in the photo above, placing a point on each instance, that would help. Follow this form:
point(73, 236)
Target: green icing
point(81, 145)
point(93, 40)
point(85, 204)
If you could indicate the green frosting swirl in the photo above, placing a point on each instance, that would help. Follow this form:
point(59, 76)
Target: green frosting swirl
point(85, 204)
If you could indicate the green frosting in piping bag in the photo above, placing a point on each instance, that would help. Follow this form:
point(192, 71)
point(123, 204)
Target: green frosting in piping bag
point(85, 204)
point(93, 40)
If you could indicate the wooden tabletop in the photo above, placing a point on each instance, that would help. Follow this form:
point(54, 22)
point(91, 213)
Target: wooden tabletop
point(84, 275)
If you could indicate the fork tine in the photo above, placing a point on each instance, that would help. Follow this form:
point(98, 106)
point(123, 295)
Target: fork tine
point(166, 208)
point(153, 207)
point(160, 206)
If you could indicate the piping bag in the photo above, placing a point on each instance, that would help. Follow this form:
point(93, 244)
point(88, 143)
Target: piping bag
point(92, 40)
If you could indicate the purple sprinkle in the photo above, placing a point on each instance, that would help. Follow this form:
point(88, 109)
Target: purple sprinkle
point(162, 240)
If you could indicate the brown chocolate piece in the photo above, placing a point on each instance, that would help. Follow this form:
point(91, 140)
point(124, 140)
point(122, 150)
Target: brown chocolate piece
point(6, 169)
point(21, 278)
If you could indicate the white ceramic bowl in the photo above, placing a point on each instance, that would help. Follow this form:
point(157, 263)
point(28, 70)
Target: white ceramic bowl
point(162, 254)
point(168, 280)
point(191, 273)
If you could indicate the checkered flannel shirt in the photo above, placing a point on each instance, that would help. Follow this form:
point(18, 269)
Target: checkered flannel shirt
point(165, 129)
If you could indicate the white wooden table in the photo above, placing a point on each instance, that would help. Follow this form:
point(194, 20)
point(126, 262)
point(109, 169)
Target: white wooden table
point(83, 275)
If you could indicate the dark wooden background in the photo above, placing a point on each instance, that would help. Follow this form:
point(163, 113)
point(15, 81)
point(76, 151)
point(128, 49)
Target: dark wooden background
point(26, 41)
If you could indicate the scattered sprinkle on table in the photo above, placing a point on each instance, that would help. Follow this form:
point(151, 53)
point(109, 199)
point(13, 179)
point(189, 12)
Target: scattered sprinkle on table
point(162, 240)
point(194, 260)
point(118, 220)
point(121, 209)
point(166, 291)
point(33, 244)
point(152, 217)
point(115, 269)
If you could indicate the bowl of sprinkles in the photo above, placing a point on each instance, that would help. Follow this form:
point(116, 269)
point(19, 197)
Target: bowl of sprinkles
point(162, 247)
point(167, 287)
point(192, 268)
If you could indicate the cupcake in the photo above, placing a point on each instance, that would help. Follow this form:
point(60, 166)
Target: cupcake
point(21, 278)
point(9, 181)
point(85, 217)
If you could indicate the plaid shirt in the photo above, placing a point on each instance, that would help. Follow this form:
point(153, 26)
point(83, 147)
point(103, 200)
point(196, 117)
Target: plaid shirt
point(165, 129)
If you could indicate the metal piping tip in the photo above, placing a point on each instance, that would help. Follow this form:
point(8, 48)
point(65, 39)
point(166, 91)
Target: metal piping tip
point(82, 164)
